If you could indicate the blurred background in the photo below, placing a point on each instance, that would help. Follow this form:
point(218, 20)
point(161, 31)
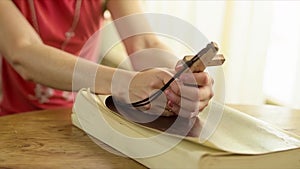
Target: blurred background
point(260, 40)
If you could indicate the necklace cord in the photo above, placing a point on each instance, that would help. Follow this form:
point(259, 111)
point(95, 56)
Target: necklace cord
point(70, 33)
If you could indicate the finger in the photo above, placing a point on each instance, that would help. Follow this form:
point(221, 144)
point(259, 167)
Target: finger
point(205, 93)
point(177, 108)
point(180, 111)
point(199, 107)
point(191, 107)
point(202, 105)
point(189, 113)
point(190, 93)
point(143, 95)
point(175, 87)
point(172, 96)
point(166, 77)
point(179, 102)
point(186, 92)
point(168, 113)
point(160, 110)
point(201, 78)
point(179, 65)
point(144, 108)
point(186, 114)
point(157, 110)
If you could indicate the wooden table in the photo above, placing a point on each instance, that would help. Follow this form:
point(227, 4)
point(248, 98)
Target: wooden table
point(47, 139)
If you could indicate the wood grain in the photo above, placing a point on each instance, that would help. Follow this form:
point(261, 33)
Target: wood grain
point(47, 139)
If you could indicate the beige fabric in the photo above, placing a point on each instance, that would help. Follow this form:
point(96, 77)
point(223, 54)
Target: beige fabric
point(240, 133)
point(236, 132)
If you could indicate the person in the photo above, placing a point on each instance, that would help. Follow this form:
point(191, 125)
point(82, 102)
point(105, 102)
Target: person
point(40, 41)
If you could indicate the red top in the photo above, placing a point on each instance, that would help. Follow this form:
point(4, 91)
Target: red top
point(54, 18)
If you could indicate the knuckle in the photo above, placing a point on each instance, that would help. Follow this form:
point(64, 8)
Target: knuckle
point(152, 84)
point(177, 100)
point(175, 88)
point(147, 107)
point(211, 94)
point(175, 110)
point(203, 106)
point(144, 96)
point(206, 78)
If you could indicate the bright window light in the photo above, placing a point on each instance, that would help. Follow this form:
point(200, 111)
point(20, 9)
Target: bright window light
point(283, 60)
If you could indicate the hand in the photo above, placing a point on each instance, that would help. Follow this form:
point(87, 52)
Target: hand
point(146, 83)
point(179, 98)
point(201, 83)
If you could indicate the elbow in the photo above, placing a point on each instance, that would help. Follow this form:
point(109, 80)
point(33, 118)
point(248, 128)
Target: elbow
point(23, 72)
point(18, 57)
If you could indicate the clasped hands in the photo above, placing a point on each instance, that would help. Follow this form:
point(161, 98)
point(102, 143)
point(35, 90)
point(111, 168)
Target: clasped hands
point(186, 96)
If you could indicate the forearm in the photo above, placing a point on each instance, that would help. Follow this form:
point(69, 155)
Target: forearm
point(130, 29)
point(60, 70)
point(126, 26)
point(43, 64)
point(24, 50)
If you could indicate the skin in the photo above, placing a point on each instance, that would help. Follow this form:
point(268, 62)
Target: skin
point(32, 59)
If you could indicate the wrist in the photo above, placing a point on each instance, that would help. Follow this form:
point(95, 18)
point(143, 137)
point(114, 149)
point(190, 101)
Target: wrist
point(139, 42)
point(111, 80)
point(120, 84)
point(147, 51)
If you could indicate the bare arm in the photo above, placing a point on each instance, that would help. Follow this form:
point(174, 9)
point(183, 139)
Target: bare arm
point(33, 60)
point(25, 52)
point(120, 8)
point(133, 24)
point(23, 49)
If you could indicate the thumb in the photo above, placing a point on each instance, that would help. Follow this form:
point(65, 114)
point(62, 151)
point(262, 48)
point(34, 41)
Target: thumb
point(179, 65)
